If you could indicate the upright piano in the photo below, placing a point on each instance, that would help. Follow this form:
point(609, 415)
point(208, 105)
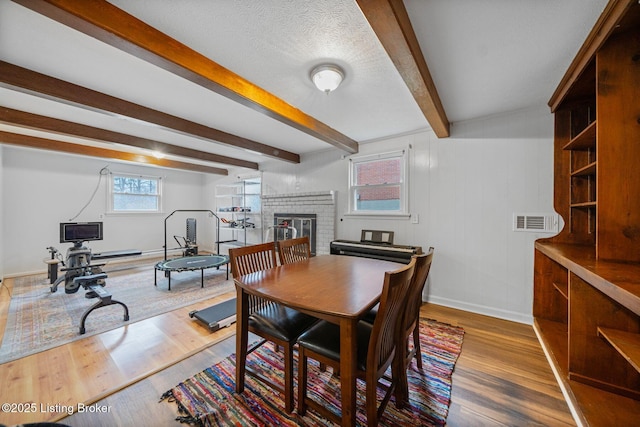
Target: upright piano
point(375, 244)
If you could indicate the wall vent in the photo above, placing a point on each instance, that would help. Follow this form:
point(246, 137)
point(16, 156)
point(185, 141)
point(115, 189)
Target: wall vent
point(538, 223)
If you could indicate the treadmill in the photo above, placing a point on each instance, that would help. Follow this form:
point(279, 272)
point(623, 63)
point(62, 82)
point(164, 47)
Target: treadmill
point(217, 316)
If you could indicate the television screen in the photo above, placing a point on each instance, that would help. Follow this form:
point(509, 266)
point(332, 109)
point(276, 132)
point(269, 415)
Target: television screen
point(80, 231)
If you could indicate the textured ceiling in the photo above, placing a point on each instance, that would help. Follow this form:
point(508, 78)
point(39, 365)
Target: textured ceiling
point(485, 57)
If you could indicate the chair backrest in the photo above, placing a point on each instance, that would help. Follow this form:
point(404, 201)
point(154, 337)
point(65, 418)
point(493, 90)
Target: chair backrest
point(386, 326)
point(293, 250)
point(248, 259)
point(414, 294)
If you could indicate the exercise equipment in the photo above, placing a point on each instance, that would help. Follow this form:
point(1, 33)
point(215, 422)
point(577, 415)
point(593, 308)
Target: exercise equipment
point(188, 245)
point(52, 264)
point(217, 316)
point(190, 260)
point(95, 285)
point(77, 264)
point(190, 263)
point(191, 230)
point(79, 272)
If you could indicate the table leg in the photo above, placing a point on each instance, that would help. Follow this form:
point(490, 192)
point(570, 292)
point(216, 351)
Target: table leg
point(348, 355)
point(242, 337)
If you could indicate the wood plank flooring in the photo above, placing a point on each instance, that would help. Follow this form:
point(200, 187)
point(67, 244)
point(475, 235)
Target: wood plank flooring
point(501, 379)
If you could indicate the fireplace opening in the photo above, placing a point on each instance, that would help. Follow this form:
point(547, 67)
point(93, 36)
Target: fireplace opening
point(284, 225)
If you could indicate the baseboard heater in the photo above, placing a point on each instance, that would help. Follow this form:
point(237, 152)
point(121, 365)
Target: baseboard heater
point(217, 316)
point(116, 254)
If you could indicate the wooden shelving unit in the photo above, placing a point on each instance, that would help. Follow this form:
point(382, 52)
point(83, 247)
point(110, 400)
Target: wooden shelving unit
point(587, 278)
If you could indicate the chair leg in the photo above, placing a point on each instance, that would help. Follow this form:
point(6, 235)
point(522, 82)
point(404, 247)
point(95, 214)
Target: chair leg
point(288, 379)
point(302, 381)
point(399, 376)
point(372, 402)
point(416, 346)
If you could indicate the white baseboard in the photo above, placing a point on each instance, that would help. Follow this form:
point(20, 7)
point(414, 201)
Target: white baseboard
point(484, 310)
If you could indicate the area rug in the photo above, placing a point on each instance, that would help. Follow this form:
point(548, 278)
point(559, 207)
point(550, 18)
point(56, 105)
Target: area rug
point(208, 398)
point(39, 319)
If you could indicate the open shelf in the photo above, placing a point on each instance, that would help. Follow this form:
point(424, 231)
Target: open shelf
point(563, 288)
point(240, 203)
point(586, 304)
point(584, 205)
point(587, 170)
point(625, 343)
point(585, 140)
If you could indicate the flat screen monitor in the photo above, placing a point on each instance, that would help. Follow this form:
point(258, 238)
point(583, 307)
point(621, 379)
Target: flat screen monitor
point(71, 232)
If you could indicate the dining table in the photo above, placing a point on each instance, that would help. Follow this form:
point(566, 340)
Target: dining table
point(336, 288)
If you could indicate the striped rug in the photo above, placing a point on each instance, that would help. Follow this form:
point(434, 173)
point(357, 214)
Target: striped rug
point(208, 398)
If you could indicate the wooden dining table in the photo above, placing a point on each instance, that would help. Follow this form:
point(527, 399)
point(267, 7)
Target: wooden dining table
point(339, 289)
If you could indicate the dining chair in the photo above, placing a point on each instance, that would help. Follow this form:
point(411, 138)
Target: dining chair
point(293, 250)
point(267, 319)
point(376, 348)
point(414, 296)
point(411, 323)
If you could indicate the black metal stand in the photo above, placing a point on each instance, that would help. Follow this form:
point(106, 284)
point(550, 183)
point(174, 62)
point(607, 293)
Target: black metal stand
point(105, 300)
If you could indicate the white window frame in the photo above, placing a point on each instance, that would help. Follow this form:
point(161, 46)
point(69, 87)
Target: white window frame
point(403, 155)
point(111, 194)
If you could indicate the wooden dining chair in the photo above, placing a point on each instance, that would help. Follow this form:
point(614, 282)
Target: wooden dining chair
point(293, 250)
point(267, 319)
point(411, 323)
point(376, 348)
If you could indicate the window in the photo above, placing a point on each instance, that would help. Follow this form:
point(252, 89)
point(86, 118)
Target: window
point(131, 193)
point(378, 185)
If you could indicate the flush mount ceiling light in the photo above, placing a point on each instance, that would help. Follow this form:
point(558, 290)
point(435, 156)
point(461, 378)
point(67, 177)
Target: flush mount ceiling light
point(327, 77)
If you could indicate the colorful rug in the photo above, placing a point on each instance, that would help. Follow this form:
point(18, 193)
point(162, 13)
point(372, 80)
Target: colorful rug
point(208, 398)
point(39, 319)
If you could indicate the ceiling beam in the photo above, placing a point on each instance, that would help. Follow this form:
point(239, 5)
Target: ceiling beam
point(115, 27)
point(390, 21)
point(34, 121)
point(15, 77)
point(85, 150)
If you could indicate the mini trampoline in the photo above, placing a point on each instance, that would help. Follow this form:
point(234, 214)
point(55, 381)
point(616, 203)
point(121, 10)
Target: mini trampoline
point(190, 263)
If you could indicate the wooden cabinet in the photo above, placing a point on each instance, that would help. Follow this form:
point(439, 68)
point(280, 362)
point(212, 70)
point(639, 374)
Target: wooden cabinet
point(587, 278)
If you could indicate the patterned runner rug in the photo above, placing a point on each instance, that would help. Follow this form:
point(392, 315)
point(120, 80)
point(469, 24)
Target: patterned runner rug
point(39, 319)
point(208, 398)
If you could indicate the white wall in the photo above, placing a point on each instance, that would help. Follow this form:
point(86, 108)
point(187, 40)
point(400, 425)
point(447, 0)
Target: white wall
point(464, 190)
point(486, 171)
point(41, 189)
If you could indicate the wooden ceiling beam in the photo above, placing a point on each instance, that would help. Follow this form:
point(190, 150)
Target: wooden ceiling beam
point(34, 121)
point(16, 77)
point(390, 21)
point(115, 27)
point(85, 150)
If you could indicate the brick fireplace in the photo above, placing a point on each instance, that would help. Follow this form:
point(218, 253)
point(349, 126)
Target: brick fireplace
point(304, 205)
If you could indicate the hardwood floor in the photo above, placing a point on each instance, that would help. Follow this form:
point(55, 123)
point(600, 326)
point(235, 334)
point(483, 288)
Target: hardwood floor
point(501, 379)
